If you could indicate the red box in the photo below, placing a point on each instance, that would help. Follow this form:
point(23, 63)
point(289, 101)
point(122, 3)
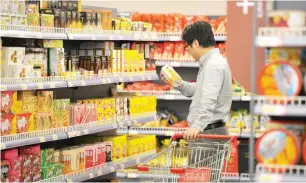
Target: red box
point(26, 164)
point(30, 150)
point(158, 50)
point(36, 174)
point(9, 154)
point(15, 165)
point(232, 163)
point(178, 24)
point(101, 154)
point(168, 50)
point(158, 22)
point(15, 177)
point(178, 50)
point(169, 23)
point(146, 18)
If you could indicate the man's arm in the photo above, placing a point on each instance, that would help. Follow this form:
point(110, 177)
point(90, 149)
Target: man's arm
point(187, 88)
point(210, 89)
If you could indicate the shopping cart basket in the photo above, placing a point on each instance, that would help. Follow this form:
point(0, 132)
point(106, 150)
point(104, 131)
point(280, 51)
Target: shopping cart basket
point(198, 160)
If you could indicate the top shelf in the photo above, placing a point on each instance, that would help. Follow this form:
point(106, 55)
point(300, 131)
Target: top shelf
point(281, 37)
point(81, 34)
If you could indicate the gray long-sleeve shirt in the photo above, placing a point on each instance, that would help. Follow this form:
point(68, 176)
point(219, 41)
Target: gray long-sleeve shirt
point(212, 92)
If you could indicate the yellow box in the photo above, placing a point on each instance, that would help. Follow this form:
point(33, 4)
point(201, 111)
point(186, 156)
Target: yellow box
point(10, 103)
point(29, 107)
point(119, 146)
point(53, 44)
point(45, 101)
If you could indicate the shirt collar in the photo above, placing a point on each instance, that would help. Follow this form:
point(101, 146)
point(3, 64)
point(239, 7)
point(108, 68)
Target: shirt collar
point(204, 57)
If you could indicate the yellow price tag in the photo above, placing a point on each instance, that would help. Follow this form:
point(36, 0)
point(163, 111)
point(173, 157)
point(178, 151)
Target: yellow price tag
point(42, 139)
point(54, 137)
point(52, 84)
point(24, 86)
point(3, 146)
point(40, 86)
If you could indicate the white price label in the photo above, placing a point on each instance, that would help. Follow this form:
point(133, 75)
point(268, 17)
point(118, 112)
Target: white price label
point(99, 172)
point(114, 125)
point(54, 137)
point(77, 133)
point(24, 86)
point(133, 132)
point(174, 38)
point(40, 86)
point(149, 77)
point(246, 98)
point(85, 131)
point(109, 80)
point(273, 109)
point(83, 83)
point(169, 97)
point(142, 78)
point(132, 175)
point(137, 160)
point(175, 64)
point(3, 88)
point(70, 134)
point(153, 36)
point(42, 139)
point(39, 35)
point(103, 81)
point(121, 79)
point(135, 122)
point(91, 175)
point(93, 38)
point(122, 166)
point(69, 180)
point(270, 177)
point(137, 36)
point(131, 78)
point(112, 169)
point(117, 32)
point(71, 37)
point(145, 35)
point(2, 146)
point(169, 133)
point(52, 85)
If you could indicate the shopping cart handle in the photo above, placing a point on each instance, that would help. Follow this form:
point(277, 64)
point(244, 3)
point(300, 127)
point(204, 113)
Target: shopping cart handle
point(203, 136)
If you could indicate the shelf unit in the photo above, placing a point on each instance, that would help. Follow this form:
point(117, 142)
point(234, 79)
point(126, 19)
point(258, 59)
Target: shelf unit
point(37, 137)
point(281, 37)
point(104, 169)
point(73, 81)
point(281, 106)
point(289, 173)
point(83, 34)
point(177, 95)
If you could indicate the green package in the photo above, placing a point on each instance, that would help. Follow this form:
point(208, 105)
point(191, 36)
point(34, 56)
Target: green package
point(47, 156)
point(58, 169)
point(47, 171)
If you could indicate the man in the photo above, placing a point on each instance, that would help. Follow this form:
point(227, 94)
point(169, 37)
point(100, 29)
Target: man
point(212, 92)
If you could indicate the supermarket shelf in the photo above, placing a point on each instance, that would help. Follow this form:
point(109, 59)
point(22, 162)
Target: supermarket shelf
point(176, 63)
point(288, 173)
point(135, 174)
point(281, 37)
point(135, 120)
point(73, 81)
point(104, 169)
point(159, 131)
point(245, 133)
point(22, 31)
point(96, 80)
point(19, 31)
point(177, 95)
point(281, 106)
point(37, 137)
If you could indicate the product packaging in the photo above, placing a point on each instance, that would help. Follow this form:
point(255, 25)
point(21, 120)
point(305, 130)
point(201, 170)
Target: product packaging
point(288, 18)
point(45, 101)
point(24, 123)
point(56, 61)
point(9, 103)
point(170, 76)
point(33, 19)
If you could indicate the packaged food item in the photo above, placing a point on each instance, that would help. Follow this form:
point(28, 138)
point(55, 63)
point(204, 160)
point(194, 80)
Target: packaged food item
point(62, 19)
point(304, 149)
point(178, 22)
point(158, 22)
point(170, 76)
point(280, 79)
point(14, 160)
point(47, 156)
point(58, 170)
point(277, 146)
point(45, 101)
point(187, 20)
point(5, 166)
point(158, 50)
point(47, 171)
point(292, 55)
point(147, 18)
point(74, 24)
point(283, 18)
point(8, 124)
point(108, 149)
point(178, 50)
point(297, 128)
point(169, 23)
point(24, 123)
point(9, 103)
point(33, 19)
point(68, 19)
point(56, 61)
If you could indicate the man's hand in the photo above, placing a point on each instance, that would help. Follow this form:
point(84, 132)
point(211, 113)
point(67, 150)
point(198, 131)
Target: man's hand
point(191, 133)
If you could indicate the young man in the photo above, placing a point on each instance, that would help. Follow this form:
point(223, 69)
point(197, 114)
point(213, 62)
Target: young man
point(212, 92)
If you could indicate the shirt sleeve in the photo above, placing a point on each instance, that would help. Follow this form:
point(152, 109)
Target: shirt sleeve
point(187, 88)
point(210, 90)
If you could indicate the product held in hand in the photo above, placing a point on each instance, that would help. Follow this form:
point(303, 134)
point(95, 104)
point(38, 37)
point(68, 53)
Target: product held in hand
point(170, 76)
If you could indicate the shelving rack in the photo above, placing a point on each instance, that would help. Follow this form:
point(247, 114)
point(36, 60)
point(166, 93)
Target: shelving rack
point(280, 107)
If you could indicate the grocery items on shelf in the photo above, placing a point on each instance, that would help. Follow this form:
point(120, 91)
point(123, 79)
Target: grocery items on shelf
point(27, 111)
point(278, 146)
point(287, 18)
point(295, 127)
point(295, 56)
point(147, 86)
point(241, 119)
point(280, 79)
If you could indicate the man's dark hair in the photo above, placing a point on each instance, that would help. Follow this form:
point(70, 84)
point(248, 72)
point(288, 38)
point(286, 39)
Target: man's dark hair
point(200, 31)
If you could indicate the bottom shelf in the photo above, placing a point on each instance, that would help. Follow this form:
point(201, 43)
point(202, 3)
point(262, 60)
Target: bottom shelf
point(104, 169)
point(277, 173)
point(134, 174)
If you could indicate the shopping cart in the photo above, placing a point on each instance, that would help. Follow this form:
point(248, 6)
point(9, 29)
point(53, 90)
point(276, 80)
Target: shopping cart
point(199, 160)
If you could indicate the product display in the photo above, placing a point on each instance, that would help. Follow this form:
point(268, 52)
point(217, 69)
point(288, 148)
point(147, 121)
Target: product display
point(287, 18)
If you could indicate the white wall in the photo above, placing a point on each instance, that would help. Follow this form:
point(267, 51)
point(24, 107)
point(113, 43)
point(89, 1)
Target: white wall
point(199, 7)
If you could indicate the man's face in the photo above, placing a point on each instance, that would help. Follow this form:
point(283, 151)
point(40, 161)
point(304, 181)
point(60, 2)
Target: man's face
point(192, 48)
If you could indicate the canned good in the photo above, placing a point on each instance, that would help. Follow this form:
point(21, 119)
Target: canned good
point(170, 76)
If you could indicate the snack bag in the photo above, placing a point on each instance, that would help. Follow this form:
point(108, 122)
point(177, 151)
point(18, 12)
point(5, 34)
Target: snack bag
point(178, 23)
point(168, 50)
point(158, 22)
point(169, 23)
point(178, 50)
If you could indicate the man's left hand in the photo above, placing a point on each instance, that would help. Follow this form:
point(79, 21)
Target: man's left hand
point(191, 133)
